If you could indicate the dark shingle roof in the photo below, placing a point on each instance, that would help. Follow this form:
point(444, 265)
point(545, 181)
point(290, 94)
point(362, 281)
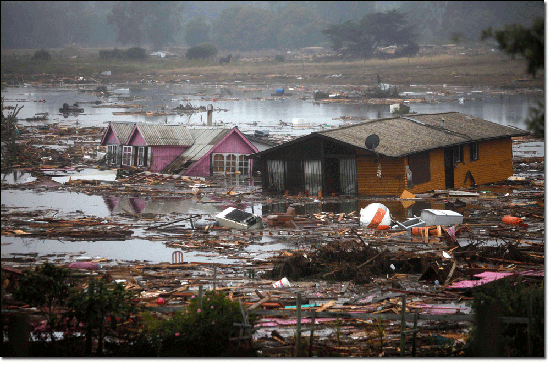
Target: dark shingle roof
point(409, 134)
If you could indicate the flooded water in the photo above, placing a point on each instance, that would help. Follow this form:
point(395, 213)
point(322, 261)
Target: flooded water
point(251, 107)
point(255, 109)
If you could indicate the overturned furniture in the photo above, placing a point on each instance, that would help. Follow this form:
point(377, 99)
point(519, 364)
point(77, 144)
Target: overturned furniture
point(238, 219)
point(282, 219)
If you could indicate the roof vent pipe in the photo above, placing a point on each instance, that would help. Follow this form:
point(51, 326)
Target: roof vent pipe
point(209, 110)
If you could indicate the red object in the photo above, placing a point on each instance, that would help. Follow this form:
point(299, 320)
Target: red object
point(377, 219)
point(511, 220)
point(160, 301)
point(383, 227)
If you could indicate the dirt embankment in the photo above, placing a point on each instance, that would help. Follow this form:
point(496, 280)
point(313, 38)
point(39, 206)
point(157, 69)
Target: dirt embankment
point(470, 70)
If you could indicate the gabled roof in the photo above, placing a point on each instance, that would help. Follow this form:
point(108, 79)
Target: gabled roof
point(154, 135)
point(409, 134)
point(204, 140)
point(121, 130)
point(165, 135)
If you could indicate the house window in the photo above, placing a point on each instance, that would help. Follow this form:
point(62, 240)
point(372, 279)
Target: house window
point(127, 155)
point(458, 154)
point(230, 163)
point(313, 177)
point(348, 175)
point(243, 164)
point(276, 175)
point(142, 156)
point(112, 154)
point(419, 165)
point(474, 151)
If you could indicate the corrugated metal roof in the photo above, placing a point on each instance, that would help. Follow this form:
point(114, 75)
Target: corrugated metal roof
point(165, 135)
point(405, 135)
point(122, 130)
point(204, 140)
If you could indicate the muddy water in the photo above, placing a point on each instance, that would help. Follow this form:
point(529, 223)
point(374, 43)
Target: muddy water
point(250, 112)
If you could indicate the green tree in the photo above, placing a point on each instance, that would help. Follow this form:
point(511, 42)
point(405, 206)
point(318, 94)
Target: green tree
point(529, 43)
point(361, 39)
point(42, 55)
point(508, 298)
point(245, 28)
point(47, 287)
point(197, 32)
point(136, 22)
point(202, 51)
point(101, 307)
point(296, 26)
point(202, 330)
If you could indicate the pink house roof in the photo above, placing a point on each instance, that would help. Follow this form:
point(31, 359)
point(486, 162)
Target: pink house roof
point(117, 133)
point(160, 135)
point(208, 140)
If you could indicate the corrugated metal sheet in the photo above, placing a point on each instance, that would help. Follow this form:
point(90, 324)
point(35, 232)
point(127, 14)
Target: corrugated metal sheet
point(405, 135)
point(165, 135)
point(122, 130)
point(204, 139)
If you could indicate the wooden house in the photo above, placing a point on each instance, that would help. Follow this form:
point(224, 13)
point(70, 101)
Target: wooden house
point(200, 151)
point(147, 146)
point(215, 151)
point(419, 153)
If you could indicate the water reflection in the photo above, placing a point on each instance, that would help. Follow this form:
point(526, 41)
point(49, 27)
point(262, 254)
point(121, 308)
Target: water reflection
point(255, 110)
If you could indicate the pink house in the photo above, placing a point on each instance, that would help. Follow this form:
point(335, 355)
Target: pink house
point(200, 151)
point(215, 151)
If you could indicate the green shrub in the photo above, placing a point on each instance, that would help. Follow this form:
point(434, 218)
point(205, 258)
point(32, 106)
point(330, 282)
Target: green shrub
point(42, 55)
point(101, 307)
point(202, 51)
point(508, 298)
point(198, 331)
point(48, 286)
point(136, 53)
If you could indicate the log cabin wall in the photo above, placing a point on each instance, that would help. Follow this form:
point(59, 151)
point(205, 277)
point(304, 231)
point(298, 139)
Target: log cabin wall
point(389, 180)
point(493, 165)
point(437, 172)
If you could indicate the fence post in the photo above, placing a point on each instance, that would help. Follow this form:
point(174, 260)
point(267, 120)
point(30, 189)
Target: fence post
point(215, 275)
point(200, 296)
point(311, 334)
point(414, 333)
point(402, 343)
point(529, 325)
point(298, 324)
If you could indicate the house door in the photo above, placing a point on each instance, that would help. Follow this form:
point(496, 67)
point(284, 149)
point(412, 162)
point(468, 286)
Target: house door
point(332, 176)
point(449, 169)
point(294, 176)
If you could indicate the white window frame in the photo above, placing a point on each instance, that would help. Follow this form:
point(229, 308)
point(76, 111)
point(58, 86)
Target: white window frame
point(112, 153)
point(127, 155)
point(230, 164)
point(141, 156)
point(458, 154)
point(474, 151)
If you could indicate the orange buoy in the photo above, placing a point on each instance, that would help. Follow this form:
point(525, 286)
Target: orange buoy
point(511, 220)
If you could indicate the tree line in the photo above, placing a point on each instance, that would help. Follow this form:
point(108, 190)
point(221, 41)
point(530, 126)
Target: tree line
point(258, 25)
